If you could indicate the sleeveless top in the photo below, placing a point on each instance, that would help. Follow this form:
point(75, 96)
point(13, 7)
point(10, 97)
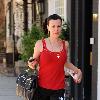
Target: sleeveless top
point(51, 71)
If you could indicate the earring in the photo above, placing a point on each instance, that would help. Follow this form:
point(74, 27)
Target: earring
point(48, 33)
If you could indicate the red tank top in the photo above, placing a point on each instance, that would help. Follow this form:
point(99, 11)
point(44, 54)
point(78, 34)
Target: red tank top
point(51, 72)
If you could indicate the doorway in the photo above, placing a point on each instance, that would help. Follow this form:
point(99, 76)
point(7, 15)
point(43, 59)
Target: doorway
point(81, 32)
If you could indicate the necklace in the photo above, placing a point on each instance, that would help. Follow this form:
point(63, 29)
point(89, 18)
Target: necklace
point(58, 55)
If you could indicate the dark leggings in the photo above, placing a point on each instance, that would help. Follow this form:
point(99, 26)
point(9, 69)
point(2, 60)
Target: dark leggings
point(46, 94)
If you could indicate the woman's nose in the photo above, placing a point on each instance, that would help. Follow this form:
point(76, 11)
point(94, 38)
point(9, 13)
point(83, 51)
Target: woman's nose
point(56, 28)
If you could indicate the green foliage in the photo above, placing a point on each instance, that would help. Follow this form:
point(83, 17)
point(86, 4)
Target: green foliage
point(28, 41)
point(65, 31)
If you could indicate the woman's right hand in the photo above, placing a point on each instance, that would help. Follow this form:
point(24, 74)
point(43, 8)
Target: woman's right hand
point(32, 63)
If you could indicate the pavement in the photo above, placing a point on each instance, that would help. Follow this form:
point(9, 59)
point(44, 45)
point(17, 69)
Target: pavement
point(8, 88)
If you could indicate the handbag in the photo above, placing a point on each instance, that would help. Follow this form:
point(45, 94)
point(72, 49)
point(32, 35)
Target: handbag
point(27, 84)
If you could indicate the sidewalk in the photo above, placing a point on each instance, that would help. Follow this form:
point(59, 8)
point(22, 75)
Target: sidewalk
point(8, 88)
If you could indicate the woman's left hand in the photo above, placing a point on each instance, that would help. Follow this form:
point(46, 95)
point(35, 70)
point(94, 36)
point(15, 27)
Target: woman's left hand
point(78, 76)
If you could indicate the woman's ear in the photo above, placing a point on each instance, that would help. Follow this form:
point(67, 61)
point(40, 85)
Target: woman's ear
point(48, 30)
point(47, 27)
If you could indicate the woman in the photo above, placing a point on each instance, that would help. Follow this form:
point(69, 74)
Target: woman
point(52, 53)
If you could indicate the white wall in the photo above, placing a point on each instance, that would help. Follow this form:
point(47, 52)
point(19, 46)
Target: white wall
point(51, 7)
point(98, 81)
point(65, 10)
point(29, 14)
point(58, 7)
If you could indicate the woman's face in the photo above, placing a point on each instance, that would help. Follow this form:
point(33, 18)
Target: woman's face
point(54, 27)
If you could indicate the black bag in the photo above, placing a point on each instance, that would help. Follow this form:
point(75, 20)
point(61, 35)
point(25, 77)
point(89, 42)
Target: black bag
point(27, 84)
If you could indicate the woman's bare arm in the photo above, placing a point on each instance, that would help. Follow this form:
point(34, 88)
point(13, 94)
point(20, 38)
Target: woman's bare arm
point(71, 66)
point(36, 54)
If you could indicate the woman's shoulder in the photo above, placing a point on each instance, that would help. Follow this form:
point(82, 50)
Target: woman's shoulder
point(66, 43)
point(40, 42)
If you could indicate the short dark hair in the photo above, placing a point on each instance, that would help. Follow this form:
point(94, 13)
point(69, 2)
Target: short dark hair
point(54, 17)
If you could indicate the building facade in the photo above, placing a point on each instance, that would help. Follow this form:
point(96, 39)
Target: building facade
point(98, 77)
point(2, 30)
point(20, 16)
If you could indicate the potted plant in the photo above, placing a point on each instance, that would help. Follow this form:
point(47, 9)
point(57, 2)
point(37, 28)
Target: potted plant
point(65, 31)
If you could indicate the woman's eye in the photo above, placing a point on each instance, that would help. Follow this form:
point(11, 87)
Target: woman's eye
point(59, 26)
point(53, 26)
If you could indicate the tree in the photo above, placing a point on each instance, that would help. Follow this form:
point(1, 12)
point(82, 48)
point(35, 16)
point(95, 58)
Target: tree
point(28, 41)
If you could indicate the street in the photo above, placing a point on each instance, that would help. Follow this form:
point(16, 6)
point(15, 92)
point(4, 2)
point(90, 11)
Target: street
point(8, 88)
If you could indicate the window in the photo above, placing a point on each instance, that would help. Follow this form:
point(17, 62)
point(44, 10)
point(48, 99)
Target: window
point(58, 7)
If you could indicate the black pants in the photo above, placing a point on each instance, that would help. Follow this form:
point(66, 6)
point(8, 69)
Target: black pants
point(46, 94)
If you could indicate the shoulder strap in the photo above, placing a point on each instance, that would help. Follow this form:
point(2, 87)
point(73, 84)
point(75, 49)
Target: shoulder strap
point(64, 47)
point(44, 44)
